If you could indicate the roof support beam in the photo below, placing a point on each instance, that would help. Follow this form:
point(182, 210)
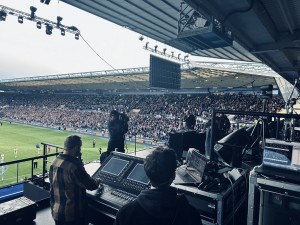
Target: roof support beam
point(286, 17)
point(285, 42)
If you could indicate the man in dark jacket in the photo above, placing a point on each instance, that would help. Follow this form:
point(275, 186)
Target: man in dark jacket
point(159, 205)
point(68, 183)
point(116, 133)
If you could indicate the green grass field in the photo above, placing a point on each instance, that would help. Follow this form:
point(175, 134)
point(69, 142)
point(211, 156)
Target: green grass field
point(24, 139)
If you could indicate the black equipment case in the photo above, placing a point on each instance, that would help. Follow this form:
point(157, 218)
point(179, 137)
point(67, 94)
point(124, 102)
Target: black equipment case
point(273, 201)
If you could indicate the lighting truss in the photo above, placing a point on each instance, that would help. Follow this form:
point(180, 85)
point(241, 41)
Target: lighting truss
point(39, 20)
point(163, 53)
point(192, 21)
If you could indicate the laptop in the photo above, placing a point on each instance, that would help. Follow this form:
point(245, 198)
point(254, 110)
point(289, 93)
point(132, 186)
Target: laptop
point(281, 159)
point(193, 171)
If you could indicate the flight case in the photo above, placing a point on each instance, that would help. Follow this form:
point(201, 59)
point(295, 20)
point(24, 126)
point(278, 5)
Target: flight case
point(219, 208)
point(273, 201)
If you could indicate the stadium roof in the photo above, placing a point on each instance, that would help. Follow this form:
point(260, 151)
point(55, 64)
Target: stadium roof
point(247, 30)
point(205, 75)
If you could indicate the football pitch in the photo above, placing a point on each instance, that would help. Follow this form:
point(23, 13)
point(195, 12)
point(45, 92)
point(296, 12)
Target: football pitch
point(19, 142)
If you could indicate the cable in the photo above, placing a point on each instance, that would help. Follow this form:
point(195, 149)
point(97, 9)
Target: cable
point(238, 11)
point(108, 63)
point(96, 52)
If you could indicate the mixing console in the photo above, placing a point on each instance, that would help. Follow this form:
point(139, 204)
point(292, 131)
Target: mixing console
point(123, 178)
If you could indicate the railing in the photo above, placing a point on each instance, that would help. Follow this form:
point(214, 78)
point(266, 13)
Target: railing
point(33, 160)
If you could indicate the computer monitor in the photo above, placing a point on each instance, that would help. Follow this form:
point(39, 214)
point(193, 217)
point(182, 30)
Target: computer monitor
point(115, 166)
point(138, 174)
point(282, 154)
point(230, 148)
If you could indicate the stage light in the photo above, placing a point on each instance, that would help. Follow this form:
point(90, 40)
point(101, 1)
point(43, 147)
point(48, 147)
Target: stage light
point(155, 48)
point(62, 32)
point(32, 14)
point(179, 56)
point(49, 25)
point(59, 19)
point(20, 19)
point(38, 25)
point(146, 46)
point(3, 15)
point(48, 29)
point(172, 54)
point(141, 38)
point(186, 57)
point(45, 1)
point(164, 50)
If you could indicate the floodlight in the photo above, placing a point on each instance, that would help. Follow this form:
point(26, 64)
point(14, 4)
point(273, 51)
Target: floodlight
point(20, 19)
point(179, 56)
point(146, 46)
point(38, 25)
point(3, 15)
point(155, 48)
point(164, 50)
point(77, 36)
point(48, 29)
point(141, 38)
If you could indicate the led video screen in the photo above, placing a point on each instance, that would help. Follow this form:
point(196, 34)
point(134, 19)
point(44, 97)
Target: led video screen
point(164, 73)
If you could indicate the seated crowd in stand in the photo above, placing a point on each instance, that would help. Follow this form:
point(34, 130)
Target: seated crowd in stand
point(151, 116)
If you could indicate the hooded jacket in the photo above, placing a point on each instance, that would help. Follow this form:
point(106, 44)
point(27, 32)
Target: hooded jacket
point(158, 207)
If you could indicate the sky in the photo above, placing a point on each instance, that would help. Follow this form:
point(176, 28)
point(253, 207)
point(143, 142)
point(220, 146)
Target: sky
point(26, 51)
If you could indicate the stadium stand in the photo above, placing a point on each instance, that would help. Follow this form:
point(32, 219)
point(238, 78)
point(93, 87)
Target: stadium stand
point(91, 111)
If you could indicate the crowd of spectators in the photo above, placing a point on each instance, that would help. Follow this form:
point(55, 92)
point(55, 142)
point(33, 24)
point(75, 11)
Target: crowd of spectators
point(151, 116)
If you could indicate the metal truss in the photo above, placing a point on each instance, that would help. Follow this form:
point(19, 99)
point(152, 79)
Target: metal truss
point(167, 55)
point(190, 19)
point(239, 67)
point(117, 72)
point(81, 75)
point(4, 11)
point(193, 20)
point(246, 68)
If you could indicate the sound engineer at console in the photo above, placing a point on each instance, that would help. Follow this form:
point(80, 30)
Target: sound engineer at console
point(159, 205)
point(68, 184)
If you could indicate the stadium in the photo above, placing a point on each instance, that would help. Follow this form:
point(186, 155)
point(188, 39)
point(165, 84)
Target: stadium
point(242, 143)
